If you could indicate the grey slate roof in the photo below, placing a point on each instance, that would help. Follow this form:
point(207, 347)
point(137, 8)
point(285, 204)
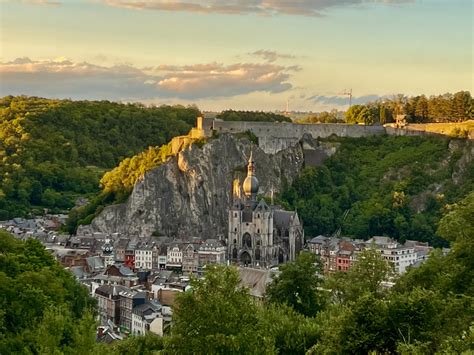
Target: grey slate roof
point(282, 219)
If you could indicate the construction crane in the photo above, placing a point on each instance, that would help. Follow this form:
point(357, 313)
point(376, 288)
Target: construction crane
point(348, 93)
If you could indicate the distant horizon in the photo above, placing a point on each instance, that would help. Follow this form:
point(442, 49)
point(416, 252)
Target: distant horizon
point(228, 54)
point(342, 108)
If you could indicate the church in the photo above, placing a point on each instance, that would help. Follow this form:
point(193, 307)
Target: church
point(260, 235)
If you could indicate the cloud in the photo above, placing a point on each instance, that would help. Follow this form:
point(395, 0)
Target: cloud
point(62, 77)
point(271, 56)
point(343, 100)
point(262, 7)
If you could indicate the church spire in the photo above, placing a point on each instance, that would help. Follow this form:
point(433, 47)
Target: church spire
point(250, 184)
point(251, 165)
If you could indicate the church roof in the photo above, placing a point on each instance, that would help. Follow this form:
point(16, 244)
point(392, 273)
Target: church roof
point(282, 219)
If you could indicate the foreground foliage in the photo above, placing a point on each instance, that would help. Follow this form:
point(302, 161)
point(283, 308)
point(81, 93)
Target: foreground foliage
point(42, 309)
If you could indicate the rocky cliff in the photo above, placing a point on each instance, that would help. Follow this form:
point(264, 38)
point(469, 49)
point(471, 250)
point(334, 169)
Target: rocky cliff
point(189, 195)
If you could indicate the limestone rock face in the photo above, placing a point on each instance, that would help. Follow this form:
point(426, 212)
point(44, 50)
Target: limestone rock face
point(189, 195)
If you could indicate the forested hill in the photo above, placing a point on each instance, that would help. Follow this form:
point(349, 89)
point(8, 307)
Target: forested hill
point(395, 186)
point(53, 150)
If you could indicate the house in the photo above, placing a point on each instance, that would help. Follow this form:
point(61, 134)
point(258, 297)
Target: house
point(130, 299)
point(174, 257)
point(162, 257)
point(95, 264)
point(146, 253)
point(211, 252)
point(144, 315)
point(398, 255)
point(120, 246)
point(190, 259)
point(108, 303)
point(130, 258)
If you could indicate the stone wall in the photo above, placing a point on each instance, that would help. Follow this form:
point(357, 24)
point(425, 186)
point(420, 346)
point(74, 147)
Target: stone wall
point(276, 136)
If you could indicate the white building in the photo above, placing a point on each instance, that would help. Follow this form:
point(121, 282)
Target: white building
point(174, 257)
point(146, 255)
point(211, 252)
point(398, 255)
point(143, 316)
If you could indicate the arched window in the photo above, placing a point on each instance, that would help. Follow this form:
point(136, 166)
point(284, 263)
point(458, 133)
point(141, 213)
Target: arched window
point(257, 254)
point(287, 233)
point(247, 240)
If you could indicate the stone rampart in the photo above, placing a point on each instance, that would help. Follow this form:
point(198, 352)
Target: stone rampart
point(276, 136)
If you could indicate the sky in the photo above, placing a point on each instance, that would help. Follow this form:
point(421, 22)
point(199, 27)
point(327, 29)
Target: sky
point(244, 55)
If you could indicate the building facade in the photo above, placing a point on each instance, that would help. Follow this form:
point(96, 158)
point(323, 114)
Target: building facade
point(260, 235)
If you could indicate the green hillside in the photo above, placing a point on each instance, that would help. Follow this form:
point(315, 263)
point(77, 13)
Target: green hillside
point(396, 186)
point(52, 151)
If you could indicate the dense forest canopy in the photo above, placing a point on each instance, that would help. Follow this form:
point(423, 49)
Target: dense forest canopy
point(252, 116)
point(395, 186)
point(51, 151)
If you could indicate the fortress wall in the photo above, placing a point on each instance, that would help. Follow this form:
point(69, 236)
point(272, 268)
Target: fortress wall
point(392, 131)
point(292, 130)
point(276, 136)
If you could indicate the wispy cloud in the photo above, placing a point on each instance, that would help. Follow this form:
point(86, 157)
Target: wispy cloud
point(64, 78)
point(262, 7)
point(271, 56)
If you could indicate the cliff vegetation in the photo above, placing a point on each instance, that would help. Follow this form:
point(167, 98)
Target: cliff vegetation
point(395, 186)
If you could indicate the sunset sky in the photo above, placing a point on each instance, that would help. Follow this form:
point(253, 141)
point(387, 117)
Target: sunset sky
point(250, 54)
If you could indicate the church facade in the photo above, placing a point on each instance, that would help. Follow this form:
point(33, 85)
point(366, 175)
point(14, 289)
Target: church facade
point(260, 235)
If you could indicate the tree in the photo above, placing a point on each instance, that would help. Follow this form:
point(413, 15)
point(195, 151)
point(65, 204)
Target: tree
point(43, 309)
point(217, 316)
point(297, 285)
point(365, 276)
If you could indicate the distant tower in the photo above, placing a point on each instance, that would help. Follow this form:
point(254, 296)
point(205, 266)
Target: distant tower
point(348, 93)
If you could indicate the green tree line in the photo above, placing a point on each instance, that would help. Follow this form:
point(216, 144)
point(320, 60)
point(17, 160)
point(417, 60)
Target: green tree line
point(52, 151)
point(455, 107)
point(252, 116)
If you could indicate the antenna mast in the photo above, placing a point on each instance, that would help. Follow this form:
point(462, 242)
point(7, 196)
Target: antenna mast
point(348, 93)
